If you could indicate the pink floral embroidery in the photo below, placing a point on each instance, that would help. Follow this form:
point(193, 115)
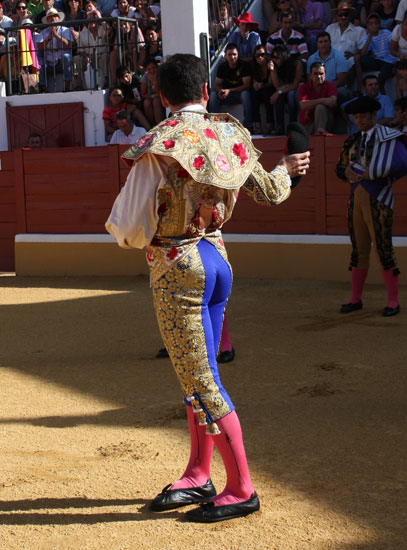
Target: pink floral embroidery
point(198, 162)
point(169, 143)
point(222, 163)
point(210, 134)
point(150, 256)
point(240, 151)
point(221, 242)
point(172, 254)
point(145, 140)
point(170, 123)
point(182, 173)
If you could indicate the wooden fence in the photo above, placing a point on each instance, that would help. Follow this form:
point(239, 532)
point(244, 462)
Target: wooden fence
point(71, 190)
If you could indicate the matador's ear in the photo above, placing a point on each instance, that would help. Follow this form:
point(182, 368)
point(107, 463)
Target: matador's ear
point(297, 142)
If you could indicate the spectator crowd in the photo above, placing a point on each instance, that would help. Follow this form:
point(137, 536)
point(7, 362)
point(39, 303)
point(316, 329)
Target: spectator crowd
point(313, 59)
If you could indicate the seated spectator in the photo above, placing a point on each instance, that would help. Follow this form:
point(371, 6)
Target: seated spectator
point(287, 36)
point(398, 44)
point(21, 13)
point(387, 10)
point(144, 15)
point(152, 48)
point(127, 132)
point(14, 60)
point(401, 10)
point(125, 50)
point(35, 7)
point(347, 38)
point(375, 54)
point(150, 94)
point(286, 76)
point(92, 52)
point(245, 38)
point(34, 141)
point(359, 16)
point(222, 22)
point(371, 89)
point(73, 10)
point(117, 104)
point(5, 21)
point(232, 85)
point(46, 5)
point(283, 7)
point(124, 10)
point(336, 66)
point(262, 89)
point(401, 78)
point(130, 85)
point(313, 20)
point(55, 43)
point(317, 99)
point(91, 5)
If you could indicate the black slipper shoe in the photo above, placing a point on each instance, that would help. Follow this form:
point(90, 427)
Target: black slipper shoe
point(209, 513)
point(169, 499)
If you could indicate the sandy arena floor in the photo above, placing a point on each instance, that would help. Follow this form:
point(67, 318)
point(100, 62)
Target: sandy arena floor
point(93, 426)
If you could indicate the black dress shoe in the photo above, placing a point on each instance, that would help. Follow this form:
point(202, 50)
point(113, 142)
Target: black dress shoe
point(348, 308)
point(162, 353)
point(390, 311)
point(209, 513)
point(226, 356)
point(169, 499)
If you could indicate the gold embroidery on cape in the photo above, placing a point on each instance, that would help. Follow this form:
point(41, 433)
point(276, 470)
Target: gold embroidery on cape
point(177, 300)
point(268, 189)
point(214, 149)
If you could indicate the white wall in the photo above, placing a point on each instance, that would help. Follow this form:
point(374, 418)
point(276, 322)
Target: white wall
point(93, 101)
point(182, 23)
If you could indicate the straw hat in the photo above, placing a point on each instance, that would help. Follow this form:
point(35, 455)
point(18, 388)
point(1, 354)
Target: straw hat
point(53, 11)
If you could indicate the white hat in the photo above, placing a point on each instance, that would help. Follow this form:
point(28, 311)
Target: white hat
point(27, 21)
point(53, 11)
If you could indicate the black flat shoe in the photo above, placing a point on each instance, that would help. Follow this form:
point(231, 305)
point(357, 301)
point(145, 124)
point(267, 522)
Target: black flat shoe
point(209, 513)
point(390, 311)
point(162, 353)
point(169, 499)
point(226, 356)
point(348, 308)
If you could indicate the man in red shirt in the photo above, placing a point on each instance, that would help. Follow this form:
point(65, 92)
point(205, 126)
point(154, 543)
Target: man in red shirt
point(317, 99)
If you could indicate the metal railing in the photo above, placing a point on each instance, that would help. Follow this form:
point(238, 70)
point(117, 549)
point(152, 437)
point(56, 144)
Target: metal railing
point(30, 67)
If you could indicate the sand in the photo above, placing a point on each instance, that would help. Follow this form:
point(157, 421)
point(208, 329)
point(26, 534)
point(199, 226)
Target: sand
point(93, 426)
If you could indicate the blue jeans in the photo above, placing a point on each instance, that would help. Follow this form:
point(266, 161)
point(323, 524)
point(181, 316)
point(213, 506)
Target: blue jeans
point(64, 65)
point(233, 98)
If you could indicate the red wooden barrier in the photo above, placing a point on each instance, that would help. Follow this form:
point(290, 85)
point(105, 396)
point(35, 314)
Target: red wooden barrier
point(71, 190)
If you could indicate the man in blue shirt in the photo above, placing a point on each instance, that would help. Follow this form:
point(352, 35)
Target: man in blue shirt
point(371, 89)
point(245, 37)
point(336, 66)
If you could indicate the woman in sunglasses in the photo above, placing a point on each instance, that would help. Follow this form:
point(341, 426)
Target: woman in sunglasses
point(262, 88)
point(21, 13)
point(286, 76)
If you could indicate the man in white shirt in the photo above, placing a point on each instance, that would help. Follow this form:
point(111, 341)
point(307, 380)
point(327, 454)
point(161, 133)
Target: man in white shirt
point(127, 133)
point(4, 20)
point(55, 42)
point(401, 10)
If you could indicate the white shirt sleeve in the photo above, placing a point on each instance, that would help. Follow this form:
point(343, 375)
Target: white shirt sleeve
point(134, 216)
point(400, 10)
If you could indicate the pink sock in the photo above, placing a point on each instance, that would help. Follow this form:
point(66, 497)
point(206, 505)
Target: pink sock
point(225, 341)
point(392, 286)
point(358, 281)
point(230, 446)
point(197, 471)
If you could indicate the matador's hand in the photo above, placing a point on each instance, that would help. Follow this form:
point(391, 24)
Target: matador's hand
point(297, 164)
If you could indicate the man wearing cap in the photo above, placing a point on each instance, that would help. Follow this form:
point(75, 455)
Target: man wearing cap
point(5, 21)
point(55, 42)
point(371, 161)
point(245, 37)
point(345, 36)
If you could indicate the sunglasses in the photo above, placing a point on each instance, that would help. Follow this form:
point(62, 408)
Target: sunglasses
point(117, 95)
point(260, 54)
point(21, 7)
point(344, 14)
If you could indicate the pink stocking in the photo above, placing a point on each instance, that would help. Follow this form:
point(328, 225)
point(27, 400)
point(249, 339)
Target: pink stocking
point(392, 286)
point(358, 281)
point(197, 471)
point(230, 446)
point(225, 341)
